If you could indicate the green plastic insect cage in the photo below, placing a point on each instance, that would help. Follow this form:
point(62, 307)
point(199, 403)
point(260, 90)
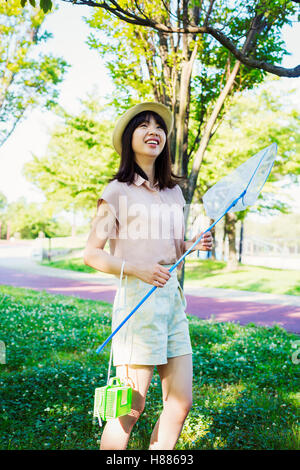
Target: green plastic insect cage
point(112, 400)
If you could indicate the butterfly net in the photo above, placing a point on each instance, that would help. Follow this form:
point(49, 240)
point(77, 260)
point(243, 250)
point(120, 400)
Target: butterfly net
point(249, 178)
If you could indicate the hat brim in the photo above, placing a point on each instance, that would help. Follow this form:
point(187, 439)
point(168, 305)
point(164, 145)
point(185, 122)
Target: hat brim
point(158, 108)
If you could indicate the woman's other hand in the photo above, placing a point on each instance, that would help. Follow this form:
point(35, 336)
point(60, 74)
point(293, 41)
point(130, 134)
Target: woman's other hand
point(156, 274)
point(206, 242)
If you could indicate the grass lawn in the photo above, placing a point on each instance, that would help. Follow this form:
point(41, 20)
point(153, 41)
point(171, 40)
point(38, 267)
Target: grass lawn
point(251, 278)
point(73, 264)
point(210, 273)
point(246, 386)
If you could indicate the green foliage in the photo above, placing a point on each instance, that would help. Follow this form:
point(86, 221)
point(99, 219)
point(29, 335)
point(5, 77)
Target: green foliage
point(127, 49)
point(255, 120)
point(45, 5)
point(142, 59)
point(28, 78)
point(245, 385)
point(79, 160)
point(28, 219)
point(146, 64)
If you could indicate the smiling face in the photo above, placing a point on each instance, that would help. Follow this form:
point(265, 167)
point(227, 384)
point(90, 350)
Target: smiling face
point(148, 139)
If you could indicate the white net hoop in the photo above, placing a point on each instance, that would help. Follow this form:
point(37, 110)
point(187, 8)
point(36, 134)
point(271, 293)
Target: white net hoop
point(249, 178)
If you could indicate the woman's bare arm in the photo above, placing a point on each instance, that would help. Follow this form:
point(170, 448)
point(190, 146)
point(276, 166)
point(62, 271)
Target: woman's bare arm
point(94, 254)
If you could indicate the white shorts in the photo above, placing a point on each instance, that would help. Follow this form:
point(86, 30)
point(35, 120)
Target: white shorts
point(159, 328)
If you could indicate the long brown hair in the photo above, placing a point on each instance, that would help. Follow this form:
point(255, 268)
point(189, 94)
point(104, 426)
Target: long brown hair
point(163, 166)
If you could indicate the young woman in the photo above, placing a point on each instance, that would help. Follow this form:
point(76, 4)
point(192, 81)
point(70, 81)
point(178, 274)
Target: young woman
point(134, 206)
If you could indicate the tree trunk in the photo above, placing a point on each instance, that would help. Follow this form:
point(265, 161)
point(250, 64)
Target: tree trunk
point(230, 227)
point(223, 242)
point(197, 162)
point(8, 230)
point(213, 233)
point(181, 121)
point(255, 29)
point(241, 241)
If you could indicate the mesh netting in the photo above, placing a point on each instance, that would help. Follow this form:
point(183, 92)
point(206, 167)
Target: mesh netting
point(249, 177)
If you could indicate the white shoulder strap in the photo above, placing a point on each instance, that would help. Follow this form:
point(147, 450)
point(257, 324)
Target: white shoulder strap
point(120, 287)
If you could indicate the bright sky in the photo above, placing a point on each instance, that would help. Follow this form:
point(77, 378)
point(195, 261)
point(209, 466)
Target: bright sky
point(87, 72)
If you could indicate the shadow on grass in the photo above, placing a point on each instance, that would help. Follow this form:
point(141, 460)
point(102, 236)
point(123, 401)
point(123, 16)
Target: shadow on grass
point(252, 422)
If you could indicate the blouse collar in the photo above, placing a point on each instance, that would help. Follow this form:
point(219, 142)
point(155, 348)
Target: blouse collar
point(139, 180)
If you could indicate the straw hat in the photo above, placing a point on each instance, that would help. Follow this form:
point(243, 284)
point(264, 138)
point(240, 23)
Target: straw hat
point(158, 108)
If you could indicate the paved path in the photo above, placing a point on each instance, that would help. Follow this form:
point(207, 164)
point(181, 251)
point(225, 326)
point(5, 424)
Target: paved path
point(221, 304)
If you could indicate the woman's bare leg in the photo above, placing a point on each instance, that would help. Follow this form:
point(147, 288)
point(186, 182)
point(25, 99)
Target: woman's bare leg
point(117, 431)
point(176, 379)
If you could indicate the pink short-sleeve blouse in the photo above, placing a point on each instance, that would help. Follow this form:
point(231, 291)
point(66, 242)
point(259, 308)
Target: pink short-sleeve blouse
point(149, 222)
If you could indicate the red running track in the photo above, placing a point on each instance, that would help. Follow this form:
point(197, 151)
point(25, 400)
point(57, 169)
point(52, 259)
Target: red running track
point(244, 312)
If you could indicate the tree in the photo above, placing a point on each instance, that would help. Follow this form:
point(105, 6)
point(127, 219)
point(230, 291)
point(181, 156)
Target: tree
point(28, 219)
point(200, 17)
point(193, 75)
point(255, 119)
point(233, 45)
point(79, 160)
point(28, 78)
